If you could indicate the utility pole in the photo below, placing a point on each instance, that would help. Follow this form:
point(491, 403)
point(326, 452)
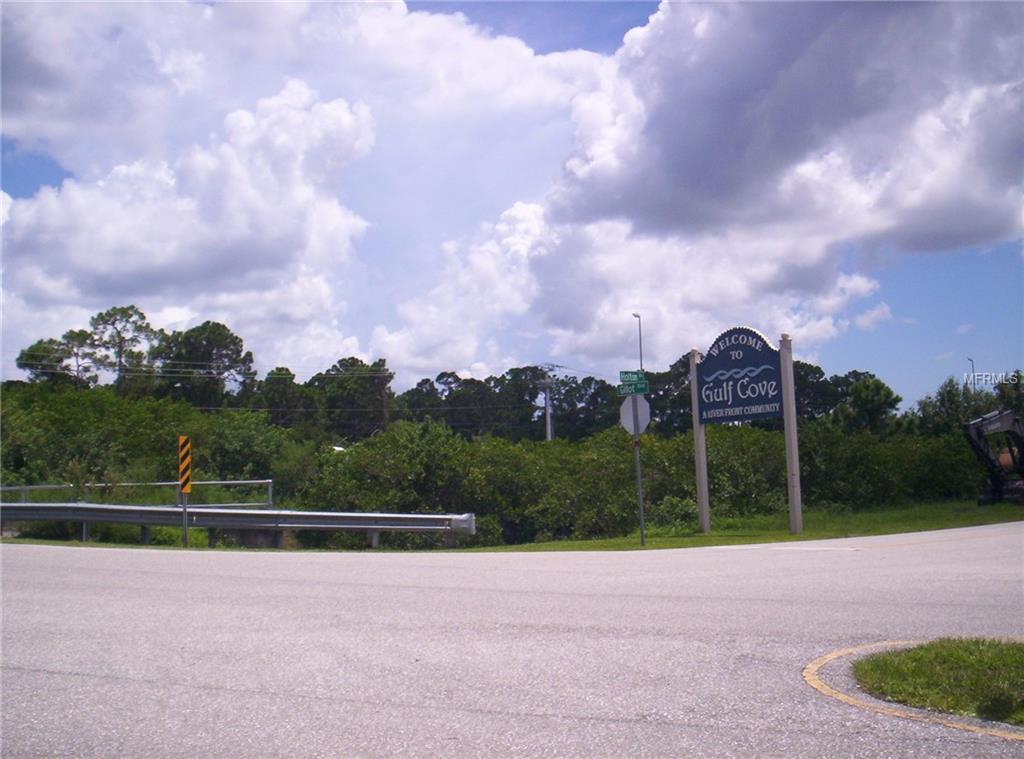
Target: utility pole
point(546, 384)
point(549, 430)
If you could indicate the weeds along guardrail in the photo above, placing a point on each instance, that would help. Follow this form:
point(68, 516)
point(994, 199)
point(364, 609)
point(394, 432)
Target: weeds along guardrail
point(25, 490)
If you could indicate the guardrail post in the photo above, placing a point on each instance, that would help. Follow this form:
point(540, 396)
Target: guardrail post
point(278, 538)
point(144, 534)
point(374, 536)
point(85, 531)
point(183, 503)
point(211, 536)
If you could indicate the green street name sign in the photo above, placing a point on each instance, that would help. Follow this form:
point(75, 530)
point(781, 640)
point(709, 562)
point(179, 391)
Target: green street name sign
point(632, 377)
point(633, 388)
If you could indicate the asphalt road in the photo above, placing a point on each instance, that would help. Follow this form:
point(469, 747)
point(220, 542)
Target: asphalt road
point(664, 653)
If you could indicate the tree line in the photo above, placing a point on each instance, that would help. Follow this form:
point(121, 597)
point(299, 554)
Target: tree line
point(460, 444)
point(208, 367)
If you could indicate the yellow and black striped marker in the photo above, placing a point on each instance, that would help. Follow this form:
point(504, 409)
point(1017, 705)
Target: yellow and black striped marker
point(184, 464)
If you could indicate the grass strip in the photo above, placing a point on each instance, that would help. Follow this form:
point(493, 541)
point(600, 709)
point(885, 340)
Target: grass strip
point(966, 676)
point(774, 528)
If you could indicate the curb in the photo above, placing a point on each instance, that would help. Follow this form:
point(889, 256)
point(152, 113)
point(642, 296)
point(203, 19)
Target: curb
point(813, 678)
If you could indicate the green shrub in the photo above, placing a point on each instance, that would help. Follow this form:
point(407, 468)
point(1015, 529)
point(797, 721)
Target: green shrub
point(107, 532)
point(171, 536)
point(519, 491)
point(673, 511)
point(49, 530)
point(746, 470)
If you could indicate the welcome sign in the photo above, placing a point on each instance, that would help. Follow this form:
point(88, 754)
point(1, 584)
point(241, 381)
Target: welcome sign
point(740, 378)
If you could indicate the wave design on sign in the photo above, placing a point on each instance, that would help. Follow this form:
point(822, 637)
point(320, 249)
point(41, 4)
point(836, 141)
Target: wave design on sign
point(747, 371)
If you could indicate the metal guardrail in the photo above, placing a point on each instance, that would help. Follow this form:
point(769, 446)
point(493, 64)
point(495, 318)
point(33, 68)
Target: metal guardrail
point(213, 518)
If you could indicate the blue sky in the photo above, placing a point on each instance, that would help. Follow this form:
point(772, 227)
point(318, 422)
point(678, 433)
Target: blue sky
point(24, 171)
point(473, 186)
point(551, 27)
point(947, 307)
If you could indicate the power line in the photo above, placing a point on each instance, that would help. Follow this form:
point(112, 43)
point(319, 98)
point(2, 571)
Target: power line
point(332, 371)
point(57, 357)
point(375, 409)
point(235, 375)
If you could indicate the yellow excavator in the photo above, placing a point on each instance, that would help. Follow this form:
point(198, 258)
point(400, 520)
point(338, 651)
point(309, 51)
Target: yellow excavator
point(1004, 466)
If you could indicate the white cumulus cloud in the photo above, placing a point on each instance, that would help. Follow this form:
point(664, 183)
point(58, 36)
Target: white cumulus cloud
point(245, 228)
point(870, 319)
point(484, 281)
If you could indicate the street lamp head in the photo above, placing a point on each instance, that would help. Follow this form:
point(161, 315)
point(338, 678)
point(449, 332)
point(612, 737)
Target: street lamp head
point(636, 315)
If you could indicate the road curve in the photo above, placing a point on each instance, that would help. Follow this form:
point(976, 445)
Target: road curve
point(111, 652)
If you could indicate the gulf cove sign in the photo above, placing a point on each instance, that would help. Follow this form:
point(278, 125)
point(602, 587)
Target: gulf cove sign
point(740, 378)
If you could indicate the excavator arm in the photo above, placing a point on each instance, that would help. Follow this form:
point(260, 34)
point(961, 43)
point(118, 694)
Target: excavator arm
point(1005, 481)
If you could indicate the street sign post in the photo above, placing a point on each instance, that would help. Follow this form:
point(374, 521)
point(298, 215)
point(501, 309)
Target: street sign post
point(184, 481)
point(635, 415)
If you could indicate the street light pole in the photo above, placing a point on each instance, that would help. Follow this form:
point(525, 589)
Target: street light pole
point(973, 374)
point(636, 436)
point(640, 332)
